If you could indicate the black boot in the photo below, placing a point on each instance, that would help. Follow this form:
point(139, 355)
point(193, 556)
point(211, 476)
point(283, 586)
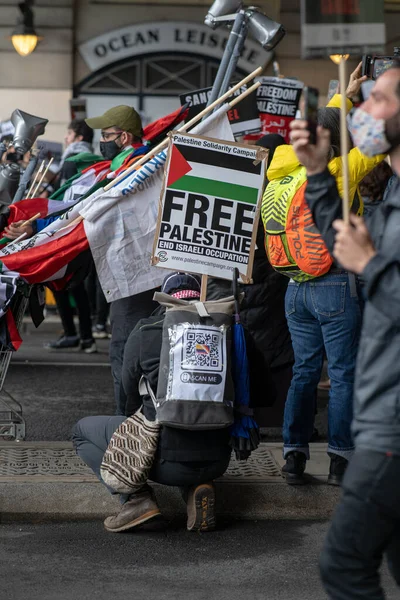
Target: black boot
point(294, 469)
point(337, 469)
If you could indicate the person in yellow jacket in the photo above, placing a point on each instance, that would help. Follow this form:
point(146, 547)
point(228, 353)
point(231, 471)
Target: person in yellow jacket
point(284, 203)
point(323, 310)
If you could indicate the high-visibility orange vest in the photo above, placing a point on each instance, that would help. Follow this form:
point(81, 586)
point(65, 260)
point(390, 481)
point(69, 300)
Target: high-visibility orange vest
point(293, 244)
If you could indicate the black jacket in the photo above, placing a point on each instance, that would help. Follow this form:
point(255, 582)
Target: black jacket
point(262, 311)
point(376, 424)
point(142, 357)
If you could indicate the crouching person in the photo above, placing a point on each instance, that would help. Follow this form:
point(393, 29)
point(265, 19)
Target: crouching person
point(188, 459)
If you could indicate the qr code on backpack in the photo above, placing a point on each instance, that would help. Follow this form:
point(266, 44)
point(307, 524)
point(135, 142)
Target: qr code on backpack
point(203, 349)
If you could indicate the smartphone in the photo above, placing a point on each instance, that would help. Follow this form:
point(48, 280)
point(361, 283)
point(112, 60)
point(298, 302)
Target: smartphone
point(374, 66)
point(333, 88)
point(311, 98)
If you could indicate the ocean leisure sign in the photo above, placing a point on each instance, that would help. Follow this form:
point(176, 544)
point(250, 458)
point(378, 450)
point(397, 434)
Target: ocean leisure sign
point(209, 207)
point(167, 36)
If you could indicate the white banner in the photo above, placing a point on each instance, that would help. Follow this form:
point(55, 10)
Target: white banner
point(120, 224)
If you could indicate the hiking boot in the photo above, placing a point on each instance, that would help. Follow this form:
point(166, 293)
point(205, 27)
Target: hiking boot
point(140, 508)
point(100, 332)
point(65, 342)
point(337, 469)
point(89, 346)
point(294, 469)
point(201, 508)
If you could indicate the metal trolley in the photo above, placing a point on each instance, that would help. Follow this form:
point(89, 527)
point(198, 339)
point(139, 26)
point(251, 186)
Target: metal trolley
point(12, 423)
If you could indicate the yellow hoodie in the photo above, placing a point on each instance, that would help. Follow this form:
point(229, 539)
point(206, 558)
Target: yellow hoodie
point(293, 243)
point(285, 162)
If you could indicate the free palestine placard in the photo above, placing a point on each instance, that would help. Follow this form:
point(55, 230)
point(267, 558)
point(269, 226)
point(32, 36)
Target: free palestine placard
point(209, 206)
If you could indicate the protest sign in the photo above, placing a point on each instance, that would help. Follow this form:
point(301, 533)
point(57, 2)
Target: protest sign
point(278, 101)
point(243, 118)
point(209, 206)
point(342, 27)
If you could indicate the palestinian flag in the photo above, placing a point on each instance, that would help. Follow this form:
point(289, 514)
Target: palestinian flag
point(81, 183)
point(9, 336)
point(214, 172)
point(24, 210)
point(155, 132)
point(60, 253)
point(48, 256)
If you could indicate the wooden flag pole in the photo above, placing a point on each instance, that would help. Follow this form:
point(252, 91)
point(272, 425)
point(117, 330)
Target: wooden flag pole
point(186, 126)
point(344, 141)
point(242, 96)
point(28, 222)
point(203, 289)
point(150, 154)
point(35, 179)
point(43, 176)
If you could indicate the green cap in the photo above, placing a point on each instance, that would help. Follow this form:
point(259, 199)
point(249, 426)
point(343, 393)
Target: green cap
point(124, 117)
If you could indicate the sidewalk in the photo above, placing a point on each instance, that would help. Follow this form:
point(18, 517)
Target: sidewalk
point(47, 481)
point(33, 349)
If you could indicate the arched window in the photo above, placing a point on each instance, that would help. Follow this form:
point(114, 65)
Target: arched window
point(154, 75)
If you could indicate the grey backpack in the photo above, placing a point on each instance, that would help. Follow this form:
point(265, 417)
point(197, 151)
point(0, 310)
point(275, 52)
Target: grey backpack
point(195, 388)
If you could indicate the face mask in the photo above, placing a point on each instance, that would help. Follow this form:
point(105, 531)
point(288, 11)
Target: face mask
point(110, 150)
point(369, 134)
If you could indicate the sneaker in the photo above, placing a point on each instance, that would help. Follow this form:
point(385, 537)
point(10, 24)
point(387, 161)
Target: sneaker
point(337, 469)
point(65, 342)
point(140, 508)
point(294, 469)
point(88, 346)
point(201, 508)
point(100, 332)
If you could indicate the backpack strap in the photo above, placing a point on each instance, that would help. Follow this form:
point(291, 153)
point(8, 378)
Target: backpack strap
point(145, 390)
point(353, 285)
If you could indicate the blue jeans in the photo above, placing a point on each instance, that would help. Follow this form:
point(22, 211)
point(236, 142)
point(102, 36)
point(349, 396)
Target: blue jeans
point(322, 313)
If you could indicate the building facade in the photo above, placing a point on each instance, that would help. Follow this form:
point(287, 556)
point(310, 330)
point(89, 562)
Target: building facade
point(138, 52)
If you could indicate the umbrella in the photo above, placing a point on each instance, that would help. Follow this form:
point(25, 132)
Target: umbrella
point(245, 434)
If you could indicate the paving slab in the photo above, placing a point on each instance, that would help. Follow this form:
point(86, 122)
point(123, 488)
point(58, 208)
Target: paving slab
point(47, 481)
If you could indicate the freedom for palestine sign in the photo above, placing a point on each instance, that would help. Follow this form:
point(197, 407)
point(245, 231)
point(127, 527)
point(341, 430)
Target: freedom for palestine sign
point(209, 206)
point(342, 27)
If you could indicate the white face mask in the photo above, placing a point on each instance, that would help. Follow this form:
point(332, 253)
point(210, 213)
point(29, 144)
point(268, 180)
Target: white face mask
point(369, 134)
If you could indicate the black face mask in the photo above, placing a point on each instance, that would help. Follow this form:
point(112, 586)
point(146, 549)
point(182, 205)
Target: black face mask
point(110, 150)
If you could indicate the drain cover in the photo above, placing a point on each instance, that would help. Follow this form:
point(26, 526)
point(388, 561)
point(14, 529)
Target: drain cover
point(43, 462)
point(261, 466)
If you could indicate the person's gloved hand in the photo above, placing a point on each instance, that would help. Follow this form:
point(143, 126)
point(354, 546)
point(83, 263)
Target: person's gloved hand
point(14, 230)
point(312, 156)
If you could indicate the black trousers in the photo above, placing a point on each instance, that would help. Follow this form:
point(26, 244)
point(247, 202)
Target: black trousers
point(67, 314)
point(365, 527)
point(99, 307)
point(91, 436)
point(124, 315)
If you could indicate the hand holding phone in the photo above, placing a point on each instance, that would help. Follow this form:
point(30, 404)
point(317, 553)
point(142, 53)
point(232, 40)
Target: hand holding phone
point(311, 98)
